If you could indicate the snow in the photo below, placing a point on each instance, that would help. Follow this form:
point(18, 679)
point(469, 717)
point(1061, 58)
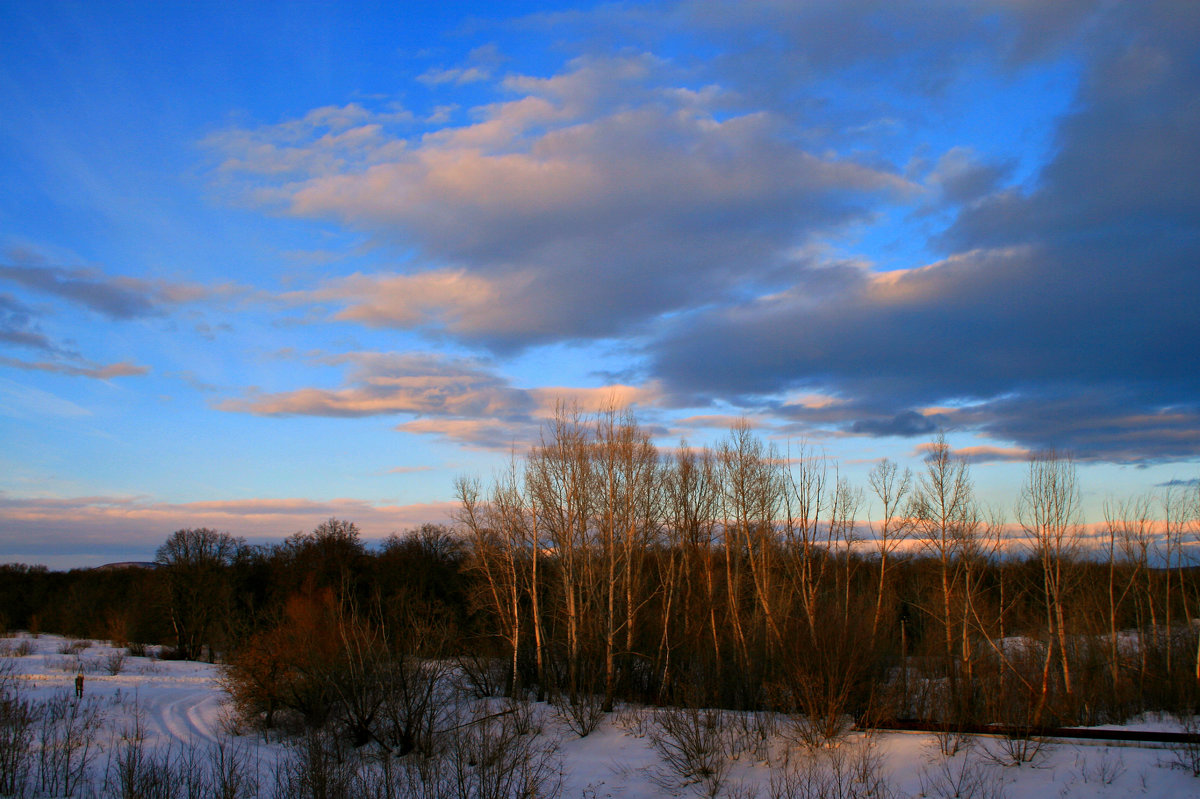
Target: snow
point(182, 703)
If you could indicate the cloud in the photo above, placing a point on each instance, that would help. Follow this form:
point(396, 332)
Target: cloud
point(591, 203)
point(114, 297)
point(1178, 483)
point(485, 434)
point(1062, 317)
point(912, 37)
point(26, 402)
point(979, 454)
point(1111, 423)
point(960, 177)
point(99, 372)
point(906, 424)
point(17, 327)
point(458, 399)
point(696, 211)
point(396, 383)
point(110, 528)
point(457, 76)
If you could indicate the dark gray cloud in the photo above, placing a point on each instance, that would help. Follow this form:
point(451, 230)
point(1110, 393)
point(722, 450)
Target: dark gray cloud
point(1128, 161)
point(1111, 422)
point(1064, 314)
point(961, 177)
point(84, 287)
point(1177, 483)
point(817, 57)
point(905, 424)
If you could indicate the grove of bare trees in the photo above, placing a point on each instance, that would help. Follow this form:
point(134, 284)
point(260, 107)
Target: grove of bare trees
point(597, 568)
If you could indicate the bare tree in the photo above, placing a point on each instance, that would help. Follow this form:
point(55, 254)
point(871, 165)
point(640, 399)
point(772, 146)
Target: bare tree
point(693, 497)
point(805, 501)
point(560, 480)
point(891, 488)
point(1176, 518)
point(1127, 526)
point(1049, 513)
point(942, 506)
point(495, 531)
point(627, 513)
point(195, 563)
point(752, 500)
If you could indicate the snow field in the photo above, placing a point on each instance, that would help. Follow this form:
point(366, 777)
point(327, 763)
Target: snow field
point(174, 705)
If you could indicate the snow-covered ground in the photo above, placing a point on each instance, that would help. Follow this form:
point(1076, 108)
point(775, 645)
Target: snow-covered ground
point(181, 704)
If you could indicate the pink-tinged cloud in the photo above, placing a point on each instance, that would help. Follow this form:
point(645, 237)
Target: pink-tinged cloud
point(395, 383)
point(593, 400)
point(980, 454)
point(101, 529)
point(713, 421)
point(595, 199)
point(458, 399)
point(483, 434)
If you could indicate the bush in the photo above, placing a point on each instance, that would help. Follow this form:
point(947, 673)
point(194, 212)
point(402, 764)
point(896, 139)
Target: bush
point(1186, 755)
point(115, 662)
point(67, 740)
point(17, 719)
point(845, 772)
point(73, 647)
point(16, 649)
point(693, 746)
point(963, 776)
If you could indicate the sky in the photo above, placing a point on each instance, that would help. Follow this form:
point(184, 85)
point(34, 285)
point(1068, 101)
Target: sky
point(266, 263)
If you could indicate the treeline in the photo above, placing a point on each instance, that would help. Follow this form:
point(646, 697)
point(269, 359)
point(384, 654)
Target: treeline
point(208, 593)
point(599, 567)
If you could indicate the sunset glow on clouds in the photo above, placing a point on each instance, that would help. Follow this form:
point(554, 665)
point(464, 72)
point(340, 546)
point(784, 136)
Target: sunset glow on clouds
point(312, 252)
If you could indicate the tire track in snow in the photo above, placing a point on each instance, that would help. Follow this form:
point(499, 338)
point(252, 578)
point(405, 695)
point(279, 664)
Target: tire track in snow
point(192, 717)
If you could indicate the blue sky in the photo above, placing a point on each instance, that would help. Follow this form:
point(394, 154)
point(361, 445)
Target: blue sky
point(264, 263)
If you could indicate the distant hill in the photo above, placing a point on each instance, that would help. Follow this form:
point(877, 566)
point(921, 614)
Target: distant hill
point(127, 564)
